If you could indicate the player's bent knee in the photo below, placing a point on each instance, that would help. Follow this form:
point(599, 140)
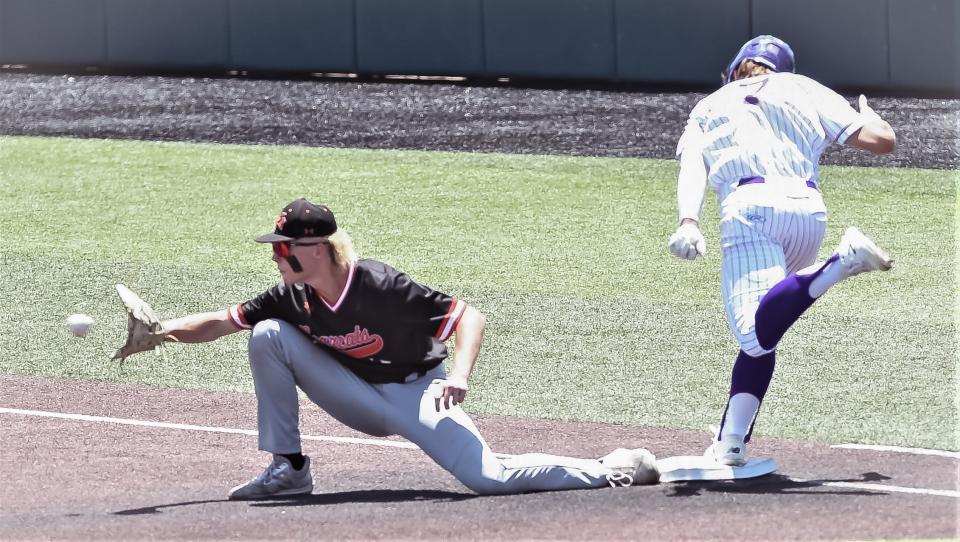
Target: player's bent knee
point(482, 485)
point(264, 335)
point(483, 478)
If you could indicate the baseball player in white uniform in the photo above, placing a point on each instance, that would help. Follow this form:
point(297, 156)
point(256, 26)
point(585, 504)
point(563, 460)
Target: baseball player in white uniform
point(366, 343)
point(757, 142)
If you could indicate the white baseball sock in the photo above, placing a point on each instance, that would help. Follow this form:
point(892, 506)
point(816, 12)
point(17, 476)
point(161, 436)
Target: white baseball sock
point(832, 274)
point(741, 410)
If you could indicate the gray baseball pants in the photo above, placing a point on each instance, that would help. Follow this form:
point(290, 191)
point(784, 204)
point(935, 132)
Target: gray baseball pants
point(282, 358)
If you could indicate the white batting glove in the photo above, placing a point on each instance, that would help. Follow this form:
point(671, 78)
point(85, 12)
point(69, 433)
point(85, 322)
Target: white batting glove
point(687, 242)
point(865, 110)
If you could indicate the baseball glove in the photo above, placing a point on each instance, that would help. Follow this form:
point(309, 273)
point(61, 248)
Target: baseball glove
point(144, 330)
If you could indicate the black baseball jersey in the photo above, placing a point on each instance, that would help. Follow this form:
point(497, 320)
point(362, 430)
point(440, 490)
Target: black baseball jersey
point(384, 326)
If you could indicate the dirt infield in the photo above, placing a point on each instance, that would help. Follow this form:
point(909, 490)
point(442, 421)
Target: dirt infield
point(70, 479)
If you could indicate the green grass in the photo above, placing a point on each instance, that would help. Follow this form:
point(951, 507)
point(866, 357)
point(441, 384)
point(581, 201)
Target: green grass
point(590, 318)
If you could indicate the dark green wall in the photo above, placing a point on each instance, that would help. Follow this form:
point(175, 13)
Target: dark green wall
point(71, 32)
point(849, 47)
point(550, 38)
point(896, 44)
point(679, 40)
point(167, 33)
point(292, 35)
point(422, 37)
point(925, 43)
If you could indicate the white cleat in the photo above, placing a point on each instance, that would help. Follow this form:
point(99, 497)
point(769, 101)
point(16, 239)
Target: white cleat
point(730, 450)
point(858, 254)
point(631, 467)
point(279, 479)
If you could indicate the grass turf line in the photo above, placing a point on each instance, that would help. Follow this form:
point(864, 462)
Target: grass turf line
point(590, 318)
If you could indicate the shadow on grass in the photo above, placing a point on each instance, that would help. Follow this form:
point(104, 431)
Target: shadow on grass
point(777, 484)
point(321, 499)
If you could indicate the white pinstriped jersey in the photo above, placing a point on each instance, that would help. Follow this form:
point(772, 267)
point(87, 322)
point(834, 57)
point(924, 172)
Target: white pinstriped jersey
point(776, 127)
point(772, 126)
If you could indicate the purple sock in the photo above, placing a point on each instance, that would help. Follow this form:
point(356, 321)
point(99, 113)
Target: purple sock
point(750, 375)
point(783, 305)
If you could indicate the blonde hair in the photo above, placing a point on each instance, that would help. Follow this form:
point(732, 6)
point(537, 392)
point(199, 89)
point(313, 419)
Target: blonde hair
point(749, 68)
point(341, 248)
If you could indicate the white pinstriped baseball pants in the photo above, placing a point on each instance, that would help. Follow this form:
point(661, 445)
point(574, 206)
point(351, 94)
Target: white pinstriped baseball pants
point(767, 231)
point(282, 359)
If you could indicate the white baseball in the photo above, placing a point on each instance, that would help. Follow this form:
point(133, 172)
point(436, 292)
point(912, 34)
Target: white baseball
point(79, 324)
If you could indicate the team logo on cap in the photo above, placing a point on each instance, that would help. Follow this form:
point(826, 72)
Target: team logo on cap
point(281, 220)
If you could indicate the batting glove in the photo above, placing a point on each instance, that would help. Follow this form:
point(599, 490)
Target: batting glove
point(867, 111)
point(687, 242)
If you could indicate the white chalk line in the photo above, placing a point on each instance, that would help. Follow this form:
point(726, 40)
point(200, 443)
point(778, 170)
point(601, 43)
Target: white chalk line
point(898, 449)
point(881, 487)
point(408, 445)
point(188, 427)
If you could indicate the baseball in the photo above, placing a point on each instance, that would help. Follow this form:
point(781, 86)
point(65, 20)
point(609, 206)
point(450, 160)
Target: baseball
point(79, 324)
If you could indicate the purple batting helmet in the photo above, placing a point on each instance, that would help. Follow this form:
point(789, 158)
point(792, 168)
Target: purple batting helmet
point(772, 52)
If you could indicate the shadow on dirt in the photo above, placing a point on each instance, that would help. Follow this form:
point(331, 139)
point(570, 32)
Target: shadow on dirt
point(321, 499)
point(778, 484)
point(156, 509)
point(371, 496)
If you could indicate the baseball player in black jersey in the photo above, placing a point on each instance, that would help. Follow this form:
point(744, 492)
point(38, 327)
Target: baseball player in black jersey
point(366, 343)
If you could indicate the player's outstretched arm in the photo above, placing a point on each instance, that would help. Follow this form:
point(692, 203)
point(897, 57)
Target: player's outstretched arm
point(468, 337)
point(876, 135)
point(199, 328)
point(688, 242)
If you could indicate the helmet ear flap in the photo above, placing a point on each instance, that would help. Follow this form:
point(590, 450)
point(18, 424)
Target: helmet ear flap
point(726, 75)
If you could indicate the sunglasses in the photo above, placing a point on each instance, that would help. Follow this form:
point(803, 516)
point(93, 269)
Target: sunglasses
point(282, 248)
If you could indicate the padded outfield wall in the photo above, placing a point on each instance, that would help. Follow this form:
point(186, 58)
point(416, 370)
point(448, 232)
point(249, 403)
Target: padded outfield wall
point(900, 45)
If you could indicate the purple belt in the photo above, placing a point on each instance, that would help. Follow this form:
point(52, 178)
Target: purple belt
point(756, 180)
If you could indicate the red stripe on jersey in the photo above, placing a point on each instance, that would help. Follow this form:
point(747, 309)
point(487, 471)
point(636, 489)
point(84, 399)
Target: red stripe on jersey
point(453, 320)
point(456, 322)
point(443, 324)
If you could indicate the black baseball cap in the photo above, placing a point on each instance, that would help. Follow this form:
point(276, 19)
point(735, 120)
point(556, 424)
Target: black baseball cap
point(300, 218)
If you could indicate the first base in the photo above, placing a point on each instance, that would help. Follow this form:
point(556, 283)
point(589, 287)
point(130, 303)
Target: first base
point(697, 467)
